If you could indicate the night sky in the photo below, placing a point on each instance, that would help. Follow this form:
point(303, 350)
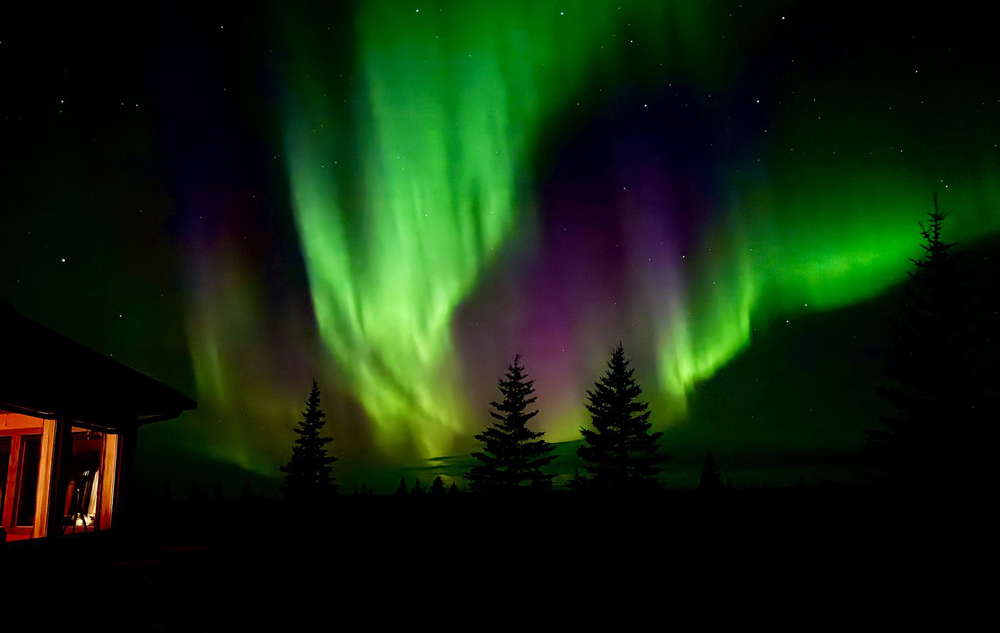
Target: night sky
point(397, 197)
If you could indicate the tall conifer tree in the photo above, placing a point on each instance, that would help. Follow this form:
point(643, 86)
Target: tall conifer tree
point(437, 487)
point(620, 451)
point(513, 455)
point(710, 479)
point(308, 474)
point(941, 432)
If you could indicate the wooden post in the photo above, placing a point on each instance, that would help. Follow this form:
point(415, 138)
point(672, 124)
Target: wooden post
point(10, 496)
point(109, 471)
point(57, 443)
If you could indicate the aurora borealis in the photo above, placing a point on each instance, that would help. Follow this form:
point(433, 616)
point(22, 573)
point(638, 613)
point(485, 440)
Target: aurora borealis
point(397, 197)
point(448, 107)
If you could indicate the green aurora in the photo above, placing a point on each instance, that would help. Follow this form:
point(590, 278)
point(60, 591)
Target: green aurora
point(407, 190)
point(395, 198)
point(447, 106)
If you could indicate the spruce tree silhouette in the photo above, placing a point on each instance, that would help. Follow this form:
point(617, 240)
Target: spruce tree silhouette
point(513, 455)
point(710, 479)
point(308, 473)
point(437, 487)
point(936, 437)
point(620, 451)
point(401, 491)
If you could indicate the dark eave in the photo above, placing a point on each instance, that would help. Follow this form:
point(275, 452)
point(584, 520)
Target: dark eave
point(45, 374)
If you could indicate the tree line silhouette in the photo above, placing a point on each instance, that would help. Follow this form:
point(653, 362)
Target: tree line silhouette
point(620, 451)
point(937, 341)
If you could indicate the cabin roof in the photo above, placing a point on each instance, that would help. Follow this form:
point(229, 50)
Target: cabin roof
point(45, 374)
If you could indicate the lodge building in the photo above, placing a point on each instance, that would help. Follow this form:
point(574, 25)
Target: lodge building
point(69, 417)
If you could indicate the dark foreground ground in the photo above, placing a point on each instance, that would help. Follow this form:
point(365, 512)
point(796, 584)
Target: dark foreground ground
point(469, 563)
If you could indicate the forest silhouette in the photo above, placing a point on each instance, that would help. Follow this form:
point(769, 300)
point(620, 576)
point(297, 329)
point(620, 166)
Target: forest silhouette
point(928, 472)
point(937, 438)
